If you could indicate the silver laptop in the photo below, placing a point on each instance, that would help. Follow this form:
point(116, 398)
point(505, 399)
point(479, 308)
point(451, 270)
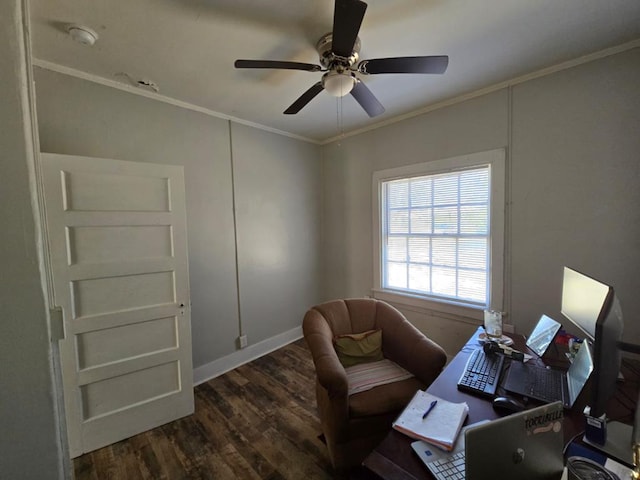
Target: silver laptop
point(549, 385)
point(543, 335)
point(529, 448)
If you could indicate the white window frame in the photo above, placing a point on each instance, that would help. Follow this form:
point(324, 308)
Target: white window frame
point(496, 160)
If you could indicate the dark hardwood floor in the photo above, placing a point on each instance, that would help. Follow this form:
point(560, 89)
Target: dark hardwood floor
point(258, 421)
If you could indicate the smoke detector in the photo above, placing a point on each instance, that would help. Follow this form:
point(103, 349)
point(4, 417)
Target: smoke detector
point(82, 34)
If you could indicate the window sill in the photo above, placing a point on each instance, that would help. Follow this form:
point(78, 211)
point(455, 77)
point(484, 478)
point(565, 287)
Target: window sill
point(462, 313)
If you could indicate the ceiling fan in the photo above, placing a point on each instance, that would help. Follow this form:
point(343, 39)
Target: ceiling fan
point(339, 51)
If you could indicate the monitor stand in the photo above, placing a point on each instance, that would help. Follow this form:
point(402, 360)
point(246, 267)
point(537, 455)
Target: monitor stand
point(617, 444)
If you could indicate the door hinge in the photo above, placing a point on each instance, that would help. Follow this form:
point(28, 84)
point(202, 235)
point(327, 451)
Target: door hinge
point(57, 324)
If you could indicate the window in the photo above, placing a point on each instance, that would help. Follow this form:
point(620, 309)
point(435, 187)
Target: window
point(440, 228)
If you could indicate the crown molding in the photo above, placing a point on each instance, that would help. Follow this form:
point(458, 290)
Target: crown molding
point(492, 88)
point(436, 106)
point(72, 72)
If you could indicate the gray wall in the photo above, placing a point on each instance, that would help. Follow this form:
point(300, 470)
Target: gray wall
point(572, 199)
point(575, 186)
point(278, 223)
point(468, 127)
point(78, 117)
point(30, 446)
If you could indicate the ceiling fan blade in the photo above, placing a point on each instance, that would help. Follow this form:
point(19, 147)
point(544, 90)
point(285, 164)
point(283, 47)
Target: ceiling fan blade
point(431, 64)
point(309, 67)
point(305, 98)
point(367, 100)
point(347, 18)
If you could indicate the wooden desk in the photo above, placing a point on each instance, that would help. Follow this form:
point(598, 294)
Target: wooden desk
point(394, 458)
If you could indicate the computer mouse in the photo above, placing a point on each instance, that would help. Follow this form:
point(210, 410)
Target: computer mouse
point(507, 405)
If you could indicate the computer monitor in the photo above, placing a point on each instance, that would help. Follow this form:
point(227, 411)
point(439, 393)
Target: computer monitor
point(594, 308)
point(607, 356)
point(584, 300)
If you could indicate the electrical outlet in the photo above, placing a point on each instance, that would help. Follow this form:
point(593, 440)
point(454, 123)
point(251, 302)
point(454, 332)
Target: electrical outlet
point(242, 341)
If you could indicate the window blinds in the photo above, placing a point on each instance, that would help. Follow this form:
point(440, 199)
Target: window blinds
point(436, 234)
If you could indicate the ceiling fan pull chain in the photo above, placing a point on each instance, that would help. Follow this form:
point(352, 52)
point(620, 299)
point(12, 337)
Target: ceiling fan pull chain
point(341, 117)
point(338, 101)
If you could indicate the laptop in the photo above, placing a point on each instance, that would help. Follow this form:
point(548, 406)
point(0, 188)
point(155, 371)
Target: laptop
point(543, 335)
point(549, 385)
point(530, 448)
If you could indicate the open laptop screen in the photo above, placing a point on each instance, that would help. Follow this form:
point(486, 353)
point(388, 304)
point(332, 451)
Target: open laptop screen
point(579, 372)
point(543, 335)
point(534, 380)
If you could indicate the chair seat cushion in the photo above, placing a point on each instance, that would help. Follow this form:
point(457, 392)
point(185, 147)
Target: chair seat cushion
point(373, 374)
point(391, 397)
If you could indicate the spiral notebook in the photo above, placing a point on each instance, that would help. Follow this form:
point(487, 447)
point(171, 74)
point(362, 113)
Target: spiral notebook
point(440, 427)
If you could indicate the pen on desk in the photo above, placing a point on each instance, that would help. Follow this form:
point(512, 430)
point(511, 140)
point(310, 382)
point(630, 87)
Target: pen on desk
point(433, 404)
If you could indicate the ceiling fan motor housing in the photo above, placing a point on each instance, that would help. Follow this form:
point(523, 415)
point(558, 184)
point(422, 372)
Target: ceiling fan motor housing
point(329, 60)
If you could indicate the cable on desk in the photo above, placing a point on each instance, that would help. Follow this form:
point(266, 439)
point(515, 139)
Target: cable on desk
point(564, 450)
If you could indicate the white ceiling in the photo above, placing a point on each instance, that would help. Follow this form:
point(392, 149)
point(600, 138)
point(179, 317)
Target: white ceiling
point(187, 47)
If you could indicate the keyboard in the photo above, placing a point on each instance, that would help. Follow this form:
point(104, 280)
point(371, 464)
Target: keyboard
point(448, 468)
point(481, 374)
point(545, 383)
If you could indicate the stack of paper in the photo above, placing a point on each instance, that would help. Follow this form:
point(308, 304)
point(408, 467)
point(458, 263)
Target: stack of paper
point(440, 427)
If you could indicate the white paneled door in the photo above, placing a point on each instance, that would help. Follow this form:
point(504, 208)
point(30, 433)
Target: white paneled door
point(117, 241)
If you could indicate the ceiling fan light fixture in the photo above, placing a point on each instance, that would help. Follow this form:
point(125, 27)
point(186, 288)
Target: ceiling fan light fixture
point(338, 84)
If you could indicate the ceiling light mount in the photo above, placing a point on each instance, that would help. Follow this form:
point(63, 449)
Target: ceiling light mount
point(82, 34)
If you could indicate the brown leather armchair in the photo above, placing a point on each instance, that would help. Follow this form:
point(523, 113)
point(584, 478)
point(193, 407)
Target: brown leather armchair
point(353, 425)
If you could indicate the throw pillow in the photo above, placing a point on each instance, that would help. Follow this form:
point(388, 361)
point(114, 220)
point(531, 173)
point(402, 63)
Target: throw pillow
point(356, 348)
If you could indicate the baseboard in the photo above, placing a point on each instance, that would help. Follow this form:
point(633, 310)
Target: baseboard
point(222, 365)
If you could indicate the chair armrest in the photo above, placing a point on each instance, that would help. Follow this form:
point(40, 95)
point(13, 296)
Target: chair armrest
point(407, 346)
point(331, 379)
point(330, 372)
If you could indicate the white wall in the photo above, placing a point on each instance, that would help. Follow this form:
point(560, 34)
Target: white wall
point(572, 147)
point(276, 276)
point(30, 443)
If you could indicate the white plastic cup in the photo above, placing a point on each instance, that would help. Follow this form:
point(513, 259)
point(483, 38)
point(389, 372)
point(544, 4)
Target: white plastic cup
point(493, 323)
